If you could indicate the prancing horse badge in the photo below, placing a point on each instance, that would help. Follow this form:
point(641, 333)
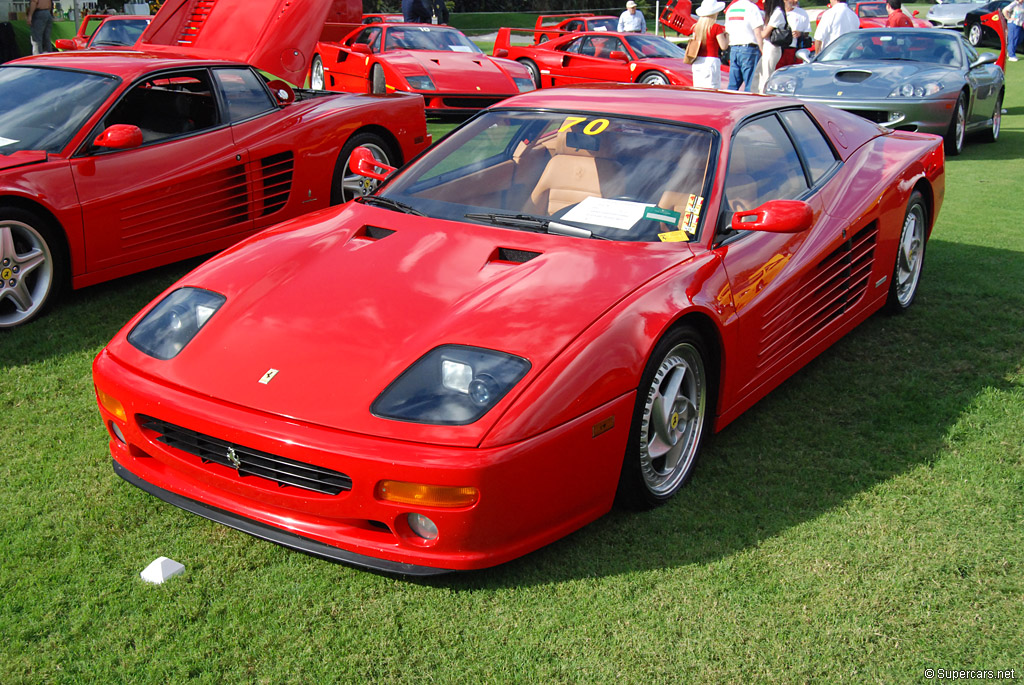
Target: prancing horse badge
point(268, 376)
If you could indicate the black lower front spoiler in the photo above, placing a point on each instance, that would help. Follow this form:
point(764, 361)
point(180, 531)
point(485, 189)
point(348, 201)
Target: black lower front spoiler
point(276, 535)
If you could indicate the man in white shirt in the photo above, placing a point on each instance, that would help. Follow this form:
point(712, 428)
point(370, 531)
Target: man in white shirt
point(632, 20)
point(834, 22)
point(799, 24)
point(743, 22)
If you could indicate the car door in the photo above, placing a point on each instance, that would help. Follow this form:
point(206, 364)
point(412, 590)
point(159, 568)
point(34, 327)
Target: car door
point(185, 185)
point(788, 289)
point(590, 60)
point(351, 71)
point(985, 81)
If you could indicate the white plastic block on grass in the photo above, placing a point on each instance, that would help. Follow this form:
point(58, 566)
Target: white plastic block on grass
point(162, 569)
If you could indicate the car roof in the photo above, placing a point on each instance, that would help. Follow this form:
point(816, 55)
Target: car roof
point(126, 64)
point(718, 109)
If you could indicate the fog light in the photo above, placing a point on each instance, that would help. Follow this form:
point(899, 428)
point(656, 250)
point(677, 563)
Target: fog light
point(422, 526)
point(427, 495)
point(111, 404)
point(895, 116)
point(116, 430)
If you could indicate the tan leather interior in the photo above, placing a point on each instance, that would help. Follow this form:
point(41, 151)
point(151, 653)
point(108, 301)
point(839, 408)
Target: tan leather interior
point(573, 174)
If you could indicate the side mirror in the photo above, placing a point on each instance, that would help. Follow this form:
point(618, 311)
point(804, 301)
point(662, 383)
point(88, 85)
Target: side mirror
point(283, 92)
point(986, 58)
point(501, 52)
point(361, 48)
point(119, 137)
point(775, 216)
point(363, 163)
point(65, 44)
point(619, 55)
point(804, 55)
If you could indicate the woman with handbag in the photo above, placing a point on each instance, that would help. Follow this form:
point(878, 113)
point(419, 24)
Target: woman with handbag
point(710, 39)
point(777, 35)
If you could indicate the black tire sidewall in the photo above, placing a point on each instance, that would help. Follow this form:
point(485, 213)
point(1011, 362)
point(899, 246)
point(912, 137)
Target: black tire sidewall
point(58, 252)
point(892, 302)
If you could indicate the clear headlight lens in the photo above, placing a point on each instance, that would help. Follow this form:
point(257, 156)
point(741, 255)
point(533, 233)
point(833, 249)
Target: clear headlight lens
point(452, 385)
point(781, 85)
point(172, 324)
point(420, 82)
point(915, 90)
point(524, 85)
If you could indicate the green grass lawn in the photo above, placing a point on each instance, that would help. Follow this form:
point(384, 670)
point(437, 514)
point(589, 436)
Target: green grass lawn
point(862, 524)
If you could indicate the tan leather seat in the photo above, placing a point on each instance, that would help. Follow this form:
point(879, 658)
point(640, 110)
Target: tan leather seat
point(572, 175)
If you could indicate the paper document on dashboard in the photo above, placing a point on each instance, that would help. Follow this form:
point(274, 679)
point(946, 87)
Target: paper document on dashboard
point(612, 213)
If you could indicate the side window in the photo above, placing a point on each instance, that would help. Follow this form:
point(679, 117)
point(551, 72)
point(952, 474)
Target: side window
point(763, 166)
point(609, 46)
point(244, 93)
point(364, 36)
point(972, 54)
point(818, 154)
point(574, 46)
point(168, 105)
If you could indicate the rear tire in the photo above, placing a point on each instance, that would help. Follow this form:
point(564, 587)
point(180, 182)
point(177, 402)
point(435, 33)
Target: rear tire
point(33, 264)
point(346, 183)
point(670, 420)
point(906, 274)
point(534, 71)
point(316, 74)
point(975, 34)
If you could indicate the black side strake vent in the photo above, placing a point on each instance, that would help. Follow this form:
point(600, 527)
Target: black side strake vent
point(509, 254)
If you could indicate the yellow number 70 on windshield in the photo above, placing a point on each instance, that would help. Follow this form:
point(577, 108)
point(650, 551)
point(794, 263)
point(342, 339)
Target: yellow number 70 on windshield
point(592, 129)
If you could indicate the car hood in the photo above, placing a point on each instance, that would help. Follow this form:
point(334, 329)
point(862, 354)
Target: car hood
point(340, 311)
point(860, 78)
point(277, 36)
point(21, 158)
point(455, 71)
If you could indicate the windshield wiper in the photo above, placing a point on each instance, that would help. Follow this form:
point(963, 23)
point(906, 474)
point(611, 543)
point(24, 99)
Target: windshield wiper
point(390, 204)
point(535, 223)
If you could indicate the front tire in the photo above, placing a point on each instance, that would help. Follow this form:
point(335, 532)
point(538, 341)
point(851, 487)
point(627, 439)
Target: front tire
point(32, 265)
point(906, 273)
point(653, 78)
point(670, 420)
point(378, 86)
point(991, 134)
point(316, 74)
point(957, 131)
point(346, 183)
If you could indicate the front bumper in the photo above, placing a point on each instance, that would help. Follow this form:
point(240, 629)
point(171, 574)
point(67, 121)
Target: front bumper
point(530, 493)
point(928, 115)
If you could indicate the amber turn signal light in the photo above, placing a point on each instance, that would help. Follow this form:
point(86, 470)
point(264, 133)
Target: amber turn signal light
point(426, 495)
point(111, 404)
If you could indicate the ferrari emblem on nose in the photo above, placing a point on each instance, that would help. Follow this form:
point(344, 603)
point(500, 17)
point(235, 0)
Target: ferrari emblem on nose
point(268, 376)
point(233, 458)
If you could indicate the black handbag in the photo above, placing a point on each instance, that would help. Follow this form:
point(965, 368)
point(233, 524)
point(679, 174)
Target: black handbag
point(781, 37)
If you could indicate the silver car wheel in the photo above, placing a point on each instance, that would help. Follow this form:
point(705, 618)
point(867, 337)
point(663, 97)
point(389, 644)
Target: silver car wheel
point(354, 185)
point(673, 420)
point(974, 34)
point(654, 78)
point(957, 132)
point(316, 74)
point(27, 271)
point(910, 257)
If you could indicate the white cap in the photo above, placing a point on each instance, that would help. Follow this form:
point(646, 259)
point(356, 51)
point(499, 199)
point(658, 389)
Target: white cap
point(630, 4)
point(709, 7)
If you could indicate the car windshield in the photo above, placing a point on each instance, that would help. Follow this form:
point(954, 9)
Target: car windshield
point(872, 9)
point(119, 32)
point(647, 47)
point(42, 109)
point(603, 25)
point(899, 44)
point(576, 174)
point(428, 38)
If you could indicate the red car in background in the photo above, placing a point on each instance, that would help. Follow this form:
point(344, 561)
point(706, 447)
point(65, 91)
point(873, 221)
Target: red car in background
point(435, 61)
point(873, 15)
point(547, 312)
point(114, 30)
point(112, 162)
point(600, 56)
point(550, 26)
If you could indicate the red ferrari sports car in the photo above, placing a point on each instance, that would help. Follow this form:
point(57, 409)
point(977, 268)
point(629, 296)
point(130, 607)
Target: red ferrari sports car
point(116, 162)
point(435, 61)
point(547, 311)
point(874, 15)
point(550, 26)
point(600, 56)
point(104, 31)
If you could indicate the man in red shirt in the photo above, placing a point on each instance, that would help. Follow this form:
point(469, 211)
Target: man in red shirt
point(897, 18)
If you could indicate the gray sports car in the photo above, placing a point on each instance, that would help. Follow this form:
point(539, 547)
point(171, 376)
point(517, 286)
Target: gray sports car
point(908, 79)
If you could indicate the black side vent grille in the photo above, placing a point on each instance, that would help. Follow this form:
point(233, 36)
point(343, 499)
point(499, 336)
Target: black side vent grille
point(508, 254)
point(275, 181)
point(246, 461)
point(838, 282)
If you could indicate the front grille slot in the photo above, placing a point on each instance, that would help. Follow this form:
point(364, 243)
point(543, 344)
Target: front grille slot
point(250, 462)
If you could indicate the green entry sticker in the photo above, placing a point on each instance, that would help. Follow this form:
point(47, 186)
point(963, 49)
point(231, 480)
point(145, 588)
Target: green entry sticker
point(659, 214)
